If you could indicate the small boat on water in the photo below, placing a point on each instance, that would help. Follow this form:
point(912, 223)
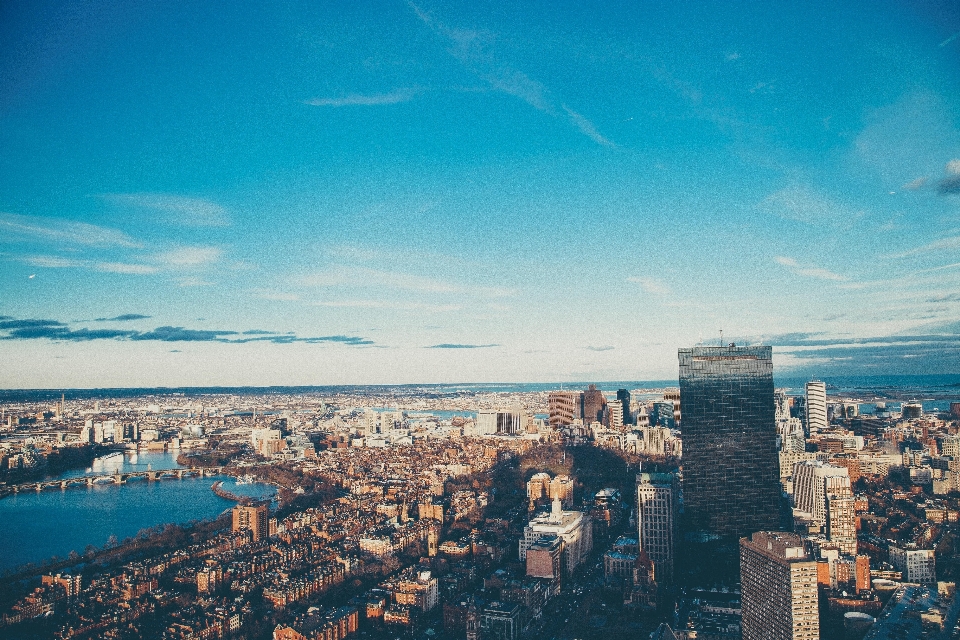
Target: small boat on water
point(245, 479)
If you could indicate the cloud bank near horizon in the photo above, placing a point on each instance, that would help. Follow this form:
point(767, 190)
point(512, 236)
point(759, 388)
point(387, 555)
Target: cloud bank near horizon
point(40, 329)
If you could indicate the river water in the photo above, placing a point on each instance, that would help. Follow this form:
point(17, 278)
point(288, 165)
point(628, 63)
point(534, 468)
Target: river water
point(37, 525)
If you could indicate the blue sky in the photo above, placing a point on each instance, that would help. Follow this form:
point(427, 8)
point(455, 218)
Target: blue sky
point(387, 192)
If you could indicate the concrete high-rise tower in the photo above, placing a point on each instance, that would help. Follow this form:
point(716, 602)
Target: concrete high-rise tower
point(565, 407)
point(823, 491)
point(658, 501)
point(816, 406)
point(594, 406)
point(778, 586)
point(615, 408)
point(731, 475)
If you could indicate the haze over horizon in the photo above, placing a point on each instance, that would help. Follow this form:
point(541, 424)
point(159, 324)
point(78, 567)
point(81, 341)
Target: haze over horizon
point(421, 192)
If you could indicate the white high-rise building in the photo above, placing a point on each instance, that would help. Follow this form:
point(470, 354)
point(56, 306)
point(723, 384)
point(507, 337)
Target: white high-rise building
point(816, 406)
point(823, 491)
point(572, 527)
point(616, 414)
point(917, 565)
point(951, 447)
point(500, 422)
point(370, 422)
point(658, 503)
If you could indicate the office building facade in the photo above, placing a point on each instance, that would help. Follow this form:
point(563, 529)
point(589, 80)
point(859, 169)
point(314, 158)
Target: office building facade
point(816, 409)
point(730, 466)
point(916, 564)
point(778, 587)
point(572, 527)
point(506, 422)
point(594, 406)
point(252, 518)
point(564, 407)
point(824, 492)
point(658, 503)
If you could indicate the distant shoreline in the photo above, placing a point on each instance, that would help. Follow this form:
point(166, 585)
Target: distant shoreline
point(945, 385)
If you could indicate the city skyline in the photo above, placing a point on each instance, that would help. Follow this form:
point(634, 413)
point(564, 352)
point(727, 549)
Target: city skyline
point(423, 192)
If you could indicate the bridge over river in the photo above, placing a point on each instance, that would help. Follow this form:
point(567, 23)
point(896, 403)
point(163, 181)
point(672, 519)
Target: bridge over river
point(111, 478)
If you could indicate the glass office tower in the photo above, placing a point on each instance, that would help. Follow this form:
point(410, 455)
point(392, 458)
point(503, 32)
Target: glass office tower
point(730, 466)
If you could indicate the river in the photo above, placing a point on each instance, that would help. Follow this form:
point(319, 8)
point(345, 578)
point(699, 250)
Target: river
point(37, 525)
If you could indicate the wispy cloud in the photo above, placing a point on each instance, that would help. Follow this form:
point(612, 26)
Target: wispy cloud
point(605, 348)
point(366, 100)
point(448, 345)
point(475, 51)
point(650, 285)
point(59, 231)
point(951, 183)
point(586, 127)
point(808, 271)
point(189, 256)
point(53, 262)
point(943, 244)
point(800, 202)
point(126, 317)
point(193, 281)
point(175, 259)
point(42, 329)
point(389, 304)
point(59, 262)
point(362, 277)
point(276, 296)
point(124, 267)
point(176, 209)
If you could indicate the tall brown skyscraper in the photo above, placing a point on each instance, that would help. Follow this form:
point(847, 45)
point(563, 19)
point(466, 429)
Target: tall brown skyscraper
point(253, 518)
point(594, 405)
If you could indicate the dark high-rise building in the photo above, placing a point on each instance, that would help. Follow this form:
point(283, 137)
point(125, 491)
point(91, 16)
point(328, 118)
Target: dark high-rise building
point(594, 406)
point(624, 397)
point(730, 465)
point(662, 415)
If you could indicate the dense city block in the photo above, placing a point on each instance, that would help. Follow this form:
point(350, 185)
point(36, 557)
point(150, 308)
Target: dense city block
point(722, 508)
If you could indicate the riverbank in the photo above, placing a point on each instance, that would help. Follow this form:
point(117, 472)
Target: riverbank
point(217, 488)
point(38, 525)
point(55, 462)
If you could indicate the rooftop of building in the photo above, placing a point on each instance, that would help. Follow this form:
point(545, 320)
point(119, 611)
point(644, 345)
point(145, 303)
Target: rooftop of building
point(780, 544)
